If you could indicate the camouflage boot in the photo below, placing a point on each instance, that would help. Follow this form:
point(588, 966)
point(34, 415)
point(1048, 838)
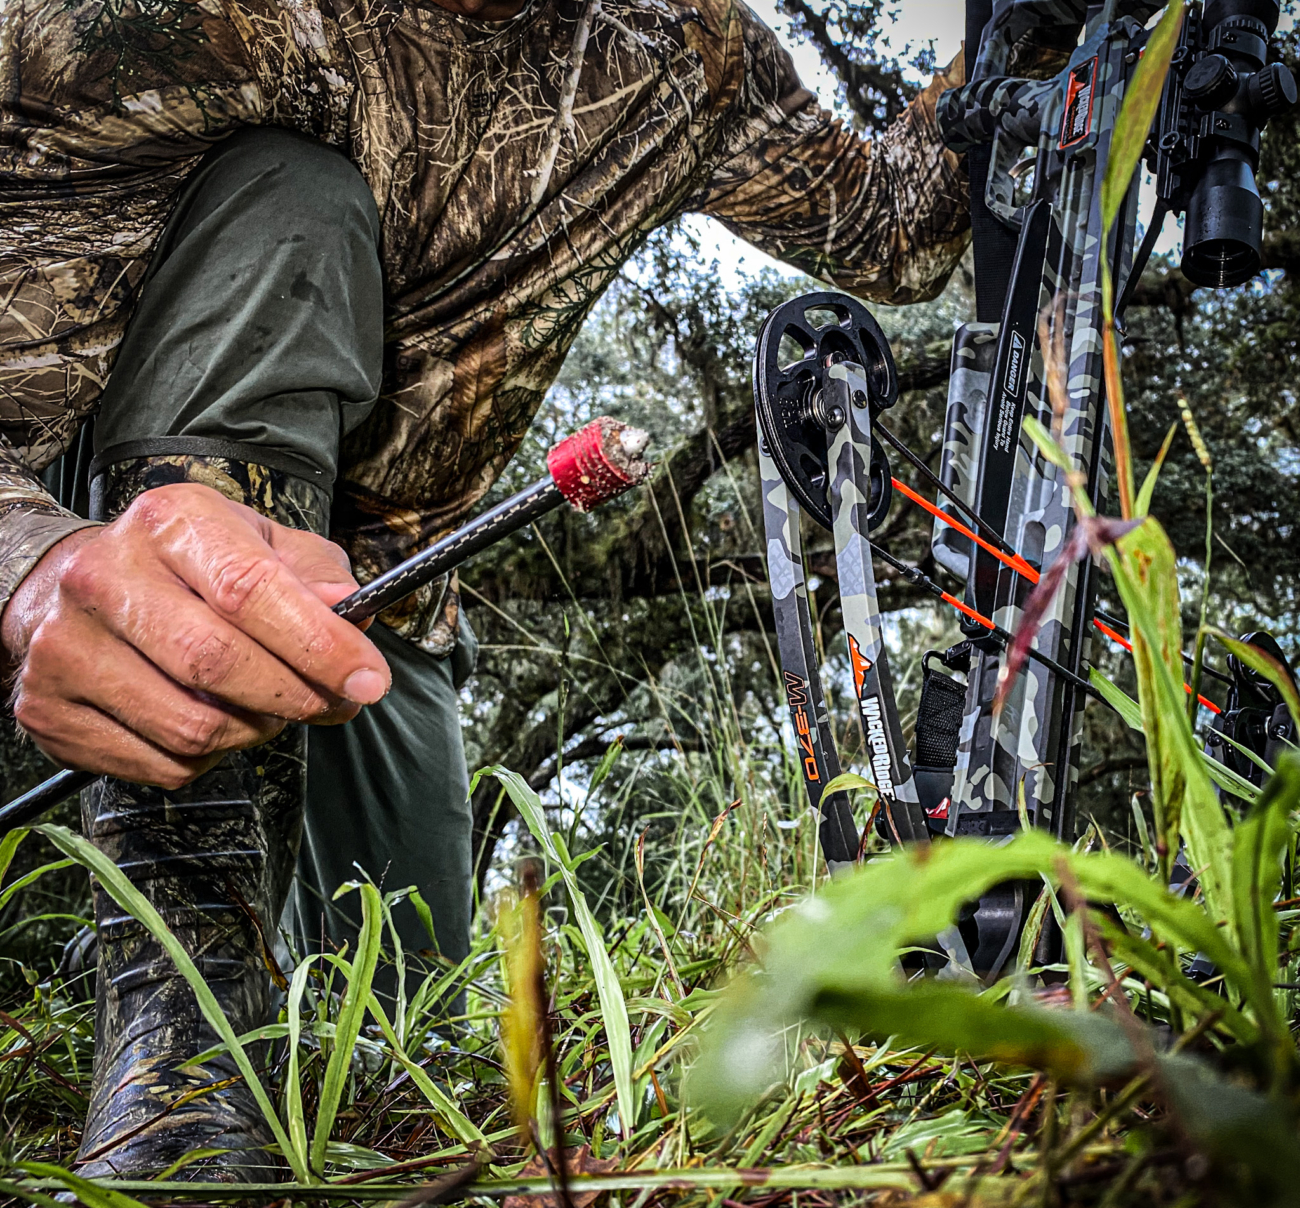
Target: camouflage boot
point(216, 860)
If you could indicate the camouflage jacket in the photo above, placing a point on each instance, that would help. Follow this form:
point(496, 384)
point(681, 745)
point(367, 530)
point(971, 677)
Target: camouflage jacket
point(516, 166)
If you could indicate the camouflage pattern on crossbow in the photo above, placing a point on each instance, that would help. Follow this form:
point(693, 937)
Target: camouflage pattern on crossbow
point(847, 399)
point(818, 760)
point(1056, 282)
point(823, 375)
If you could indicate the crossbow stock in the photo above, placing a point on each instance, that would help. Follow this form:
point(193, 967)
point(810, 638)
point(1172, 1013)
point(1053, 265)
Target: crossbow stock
point(824, 377)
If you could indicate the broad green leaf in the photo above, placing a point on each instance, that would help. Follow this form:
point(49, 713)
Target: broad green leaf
point(9, 845)
point(1077, 1047)
point(833, 960)
point(743, 1052)
point(612, 1004)
point(1105, 877)
point(1186, 804)
point(352, 1013)
point(131, 900)
point(355, 1157)
point(847, 781)
point(1258, 844)
point(1141, 100)
point(955, 1132)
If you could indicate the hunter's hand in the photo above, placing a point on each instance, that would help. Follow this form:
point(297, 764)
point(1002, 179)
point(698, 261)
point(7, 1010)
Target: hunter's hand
point(188, 627)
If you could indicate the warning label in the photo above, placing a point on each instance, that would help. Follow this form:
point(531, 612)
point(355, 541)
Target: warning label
point(1079, 92)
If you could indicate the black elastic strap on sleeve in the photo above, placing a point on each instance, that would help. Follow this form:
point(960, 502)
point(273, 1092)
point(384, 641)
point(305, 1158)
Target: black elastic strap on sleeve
point(206, 446)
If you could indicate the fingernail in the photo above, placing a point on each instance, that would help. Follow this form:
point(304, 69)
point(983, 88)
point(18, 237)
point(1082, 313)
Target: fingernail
point(365, 687)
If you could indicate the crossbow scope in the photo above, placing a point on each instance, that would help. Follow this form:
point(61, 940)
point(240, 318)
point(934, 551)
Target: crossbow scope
point(1220, 93)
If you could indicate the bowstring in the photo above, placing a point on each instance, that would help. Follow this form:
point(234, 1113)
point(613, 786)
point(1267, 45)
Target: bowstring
point(1000, 549)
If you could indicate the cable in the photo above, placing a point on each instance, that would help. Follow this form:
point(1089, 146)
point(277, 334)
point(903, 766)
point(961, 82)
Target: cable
point(1015, 562)
point(922, 580)
point(1115, 637)
point(1187, 658)
point(991, 534)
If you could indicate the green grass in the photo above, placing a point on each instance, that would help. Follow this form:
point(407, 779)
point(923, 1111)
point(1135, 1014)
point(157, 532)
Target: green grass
point(872, 1121)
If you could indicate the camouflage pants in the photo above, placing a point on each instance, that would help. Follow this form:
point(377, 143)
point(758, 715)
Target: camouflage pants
point(256, 345)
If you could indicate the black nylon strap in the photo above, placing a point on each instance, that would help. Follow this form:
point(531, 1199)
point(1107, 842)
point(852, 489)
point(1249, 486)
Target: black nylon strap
point(994, 244)
point(207, 446)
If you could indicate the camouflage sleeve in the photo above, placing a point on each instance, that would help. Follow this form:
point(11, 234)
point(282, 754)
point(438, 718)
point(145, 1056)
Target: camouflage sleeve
point(30, 520)
point(887, 218)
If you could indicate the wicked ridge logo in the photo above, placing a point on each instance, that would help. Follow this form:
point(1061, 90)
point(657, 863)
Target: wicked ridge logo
point(882, 767)
point(861, 664)
point(1076, 123)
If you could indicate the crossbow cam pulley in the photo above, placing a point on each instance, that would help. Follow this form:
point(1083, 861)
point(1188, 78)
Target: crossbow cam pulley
point(795, 412)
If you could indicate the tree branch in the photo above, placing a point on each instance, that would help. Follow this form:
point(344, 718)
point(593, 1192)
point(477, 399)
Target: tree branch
point(595, 748)
point(1112, 763)
point(875, 93)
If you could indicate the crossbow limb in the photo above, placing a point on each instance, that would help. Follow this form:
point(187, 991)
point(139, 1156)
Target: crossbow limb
point(823, 376)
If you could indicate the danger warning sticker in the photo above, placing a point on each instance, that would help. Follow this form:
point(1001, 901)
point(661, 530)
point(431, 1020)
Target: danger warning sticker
point(1079, 92)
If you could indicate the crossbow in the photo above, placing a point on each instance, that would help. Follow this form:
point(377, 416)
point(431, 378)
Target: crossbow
point(824, 378)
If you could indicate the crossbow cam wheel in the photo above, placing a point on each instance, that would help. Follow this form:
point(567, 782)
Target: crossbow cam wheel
point(823, 329)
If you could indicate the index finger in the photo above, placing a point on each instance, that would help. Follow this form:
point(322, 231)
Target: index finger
point(244, 580)
point(322, 565)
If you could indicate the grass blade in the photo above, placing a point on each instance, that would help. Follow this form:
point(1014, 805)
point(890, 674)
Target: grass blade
point(1141, 100)
point(613, 1006)
point(136, 904)
point(352, 1014)
point(1267, 666)
point(295, 1118)
point(87, 1191)
point(454, 1121)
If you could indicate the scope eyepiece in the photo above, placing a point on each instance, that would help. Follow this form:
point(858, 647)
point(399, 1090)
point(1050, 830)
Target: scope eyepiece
point(1235, 94)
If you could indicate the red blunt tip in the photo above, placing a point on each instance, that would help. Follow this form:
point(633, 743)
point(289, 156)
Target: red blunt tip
point(599, 461)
